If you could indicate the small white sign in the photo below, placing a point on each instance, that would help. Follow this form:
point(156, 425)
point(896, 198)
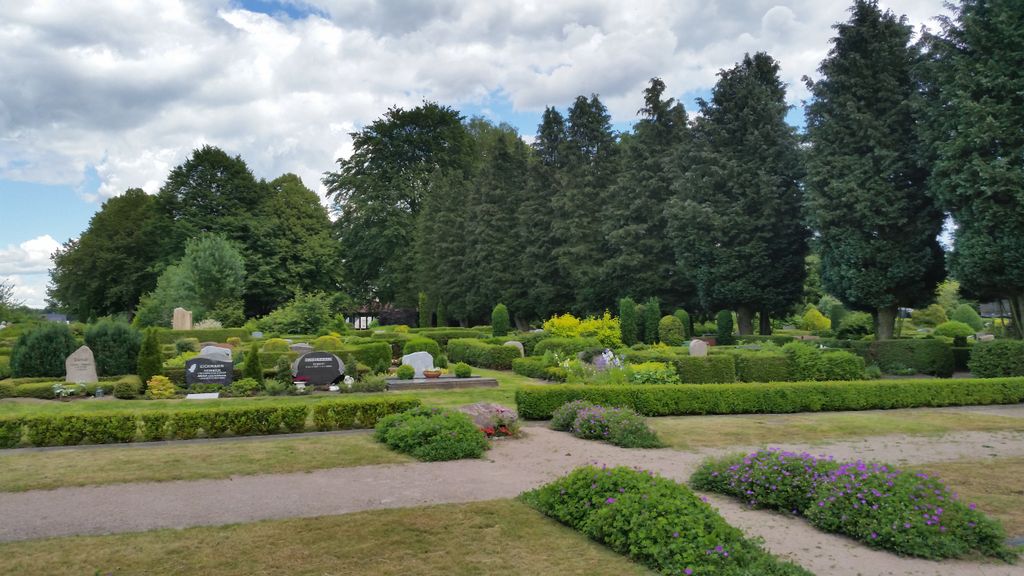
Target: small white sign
point(204, 396)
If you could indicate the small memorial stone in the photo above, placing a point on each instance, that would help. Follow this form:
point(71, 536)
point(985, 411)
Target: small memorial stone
point(698, 348)
point(257, 335)
point(517, 344)
point(985, 337)
point(182, 319)
point(203, 396)
point(202, 370)
point(80, 366)
point(419, 361)
point(215, 353)
point(318, 368)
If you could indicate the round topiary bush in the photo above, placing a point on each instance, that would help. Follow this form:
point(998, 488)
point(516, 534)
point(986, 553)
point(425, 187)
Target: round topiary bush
point(499, 320)
point(42, 351)
point(965, 313)
point(432, 434)
point(405, 372)
point(420, 344)
point(462, 370)
point(953, 329)
point(160, 387)
point(671, 331)
point(327, 343)
point(275, 345)
point(115, 346)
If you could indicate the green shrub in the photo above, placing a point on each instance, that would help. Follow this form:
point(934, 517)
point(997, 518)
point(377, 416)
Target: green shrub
point(202, 335)
point(841, 365)
point(965, 313)
point(815, 321)
point(855, 325)
point(363, 413)
point(565, 346)
point(405, 372)
point(443, 335)
point(933, 315)
point(127, 389)
point(376, 355)
point(762, 366)
point(653, 373)
point(370, 383)
point(421, 344)
point(723, 328)
point(432, 434)
point(655, 521)
point(153, 425)
point(42, 351)
point(926, 355)
point(684, 318)
point(462, 370)
point(563, 417)
point(481, 354)
point(328, 343)
point(244, 387)
point(671, 331)
point(186, 345)
point(997, 359)
point(160, 387)
point(619, 426)
point(538, 402)
point(276, 345)
point(115, 346)
point(880, 505)
point(39, 390)
point(655, 354)
point(150, 361)
point(253, 365)
point(11, 431)
point(953, 329)
point(71, 430)
point(628, 321)
point(7, 390)
point(706, 369)
point(499, 320)
point(650, 317)
point(536, 367)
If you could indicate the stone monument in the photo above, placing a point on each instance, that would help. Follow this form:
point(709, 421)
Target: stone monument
point(698, 348)
point(80, 367)
point(516, 344)
point(182, 319)
point(318, 368)
point(419, 361)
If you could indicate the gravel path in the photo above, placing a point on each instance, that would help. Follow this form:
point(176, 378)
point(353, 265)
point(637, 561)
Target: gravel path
point(511, 467)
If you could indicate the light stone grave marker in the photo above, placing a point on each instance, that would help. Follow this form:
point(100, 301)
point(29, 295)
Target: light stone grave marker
point(80, 367)
point(182, 319)
point(517, 344)
point(698, 348)
point(419, 361)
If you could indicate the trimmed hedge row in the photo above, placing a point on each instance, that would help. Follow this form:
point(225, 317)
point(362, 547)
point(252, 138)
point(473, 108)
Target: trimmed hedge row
point(209, 335)
point(538, 402)
point(997, 359)
point(42, 388)
point(762, 366)
point(534, 367)
point(121, 427)
point(443, 335)
point(564, 345)
point(481, 354)
point(924, 355)
point(706, 369)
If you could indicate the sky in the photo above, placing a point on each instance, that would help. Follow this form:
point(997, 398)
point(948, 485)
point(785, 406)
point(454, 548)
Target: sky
point(101, 96)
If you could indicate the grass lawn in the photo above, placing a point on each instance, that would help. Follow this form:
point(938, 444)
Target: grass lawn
point(496, 537)
point(508, 383)
point(994, 484)
point(158, 462)
point(692, 432)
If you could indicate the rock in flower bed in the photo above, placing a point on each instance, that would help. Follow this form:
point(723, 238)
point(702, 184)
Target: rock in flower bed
point(432, 434)
point(494, 420)
point(655, 521)
point(903, 511)
point(619, 426)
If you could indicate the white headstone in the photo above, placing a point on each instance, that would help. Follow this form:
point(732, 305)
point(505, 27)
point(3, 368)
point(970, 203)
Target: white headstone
point(419, 361)
point(182, 319)
point(80, 366)
point(517, 344)
point(698, 348)
point(203, 396)
point(985, 337)
point(257, 335)
point(215, 353)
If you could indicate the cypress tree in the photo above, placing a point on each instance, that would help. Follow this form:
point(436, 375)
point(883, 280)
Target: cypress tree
point(723, 335)
point(628, 321)
point(684, 317)
point(253, 364)
point(651, 317)
point(499, 320)
point(866, 179)
point(151, 361)
point(424, 311)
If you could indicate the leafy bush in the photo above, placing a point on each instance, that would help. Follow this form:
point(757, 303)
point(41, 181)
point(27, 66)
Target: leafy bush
point(565, 346)
point(462, 370)
point(762, 366)
point(536, 367)
point(370, 383)
point(405, 372)
point(42, 351)
point(150, 361)
point(499, 320)
point(652, 373)
point(276, 345)
point(968, 315)
point(855, 325)
point(478, 353)
point(619, 426)
point(160, 387)
point(654, 521)
point(997, 359)
point(706, 369)
point(723, 328)
point(244, 387)
point(671, 331)
point(11, 431)
point(880, 505)
point(927, 356)
point(606, 329)
point(129, 389)
point(628, 321)
point(115, 346)
point(362, 413)
point(841, 365)
point(432, 434)
point(684, 318)
point(304, 314)
point(186, 345)
point(421, 344)
point(564, 416)
point(953, 329)
point(538, 402)
point(328, 343)
point(815, 321)
point(933, 315)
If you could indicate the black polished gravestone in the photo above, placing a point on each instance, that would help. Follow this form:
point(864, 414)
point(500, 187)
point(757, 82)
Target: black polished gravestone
point(207, 371)
point(318, 368)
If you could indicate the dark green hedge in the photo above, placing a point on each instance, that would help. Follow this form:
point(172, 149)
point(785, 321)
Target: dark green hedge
point(998, 358)
point(443, 335)
point(377, 355)
point(481, 354)
point(346, 414)
point(538, 402)
point(757, 339)
point(659, 354)
point(210, 335)
point(534, 367)
point(924, 355)
point(418, 344)
point(566, 346)
point(762, 366)
point(713, 369)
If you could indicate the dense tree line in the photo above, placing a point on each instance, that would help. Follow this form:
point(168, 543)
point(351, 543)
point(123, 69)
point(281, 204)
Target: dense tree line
point(729, 210)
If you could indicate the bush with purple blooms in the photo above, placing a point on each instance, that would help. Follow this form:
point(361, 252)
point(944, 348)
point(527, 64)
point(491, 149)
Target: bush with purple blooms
point(902, 511)
point(563, 416)
point(619, 426)
point(654, 521)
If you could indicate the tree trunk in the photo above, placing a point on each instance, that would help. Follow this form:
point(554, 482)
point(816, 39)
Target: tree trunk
point(885, 323)
point(1016, 313)
point(521, 324)
point(766, 323)
point(745, 317)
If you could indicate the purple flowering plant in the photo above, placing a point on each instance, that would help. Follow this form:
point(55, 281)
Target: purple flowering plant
point(619, 426)
point(655, 521)
point(903, 511)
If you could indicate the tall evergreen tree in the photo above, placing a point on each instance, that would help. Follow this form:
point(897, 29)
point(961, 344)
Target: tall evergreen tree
point(866, 179)
point(973, 124)
point(641, 257)
point(737, 225)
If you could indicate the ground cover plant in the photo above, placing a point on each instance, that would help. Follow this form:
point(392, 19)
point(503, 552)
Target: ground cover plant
point(653, 520)
point(618, 426)
point(902, 511)
point(432, 434)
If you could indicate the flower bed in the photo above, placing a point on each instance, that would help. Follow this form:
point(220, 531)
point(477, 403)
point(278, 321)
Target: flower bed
point(654, 521)
point(493, 420)
point(619, 426)
point(884, 507)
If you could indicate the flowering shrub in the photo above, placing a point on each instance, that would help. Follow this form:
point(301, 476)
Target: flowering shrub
point(495, 421)
point(432, 434)
point(565, 415)
point(884, 507)
point(620, 426)
point(605, 329)
point(653, 520)
point(653, 373)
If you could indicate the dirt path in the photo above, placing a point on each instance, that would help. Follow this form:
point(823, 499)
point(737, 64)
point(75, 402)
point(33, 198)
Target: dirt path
point(510, 468)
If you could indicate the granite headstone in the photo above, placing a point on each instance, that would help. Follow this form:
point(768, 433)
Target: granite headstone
point(215, 353)
point(698, 348)
point(419, 361)
point(318, 368)
point(517, 344)
point(204, 370)
point(80, 367)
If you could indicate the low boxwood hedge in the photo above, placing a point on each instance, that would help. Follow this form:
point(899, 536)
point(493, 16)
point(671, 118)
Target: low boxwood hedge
point(761, 366)
point(713, 369)
point(534, 367)
point(564, 345)
point(208, 335)
point(443, 335)
point(538, 402)
point(923, 355)
point(362, 413)
point(998, 358)
point(481, 354)
point(418, 344)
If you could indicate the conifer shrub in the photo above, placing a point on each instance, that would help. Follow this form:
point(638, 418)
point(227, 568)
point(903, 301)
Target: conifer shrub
point(42, 351)
point(115, 346)
point(671, 331)
point(150, 361)
point(253, 365)
point(628, 321)
point(499, 320)
point(723, 328)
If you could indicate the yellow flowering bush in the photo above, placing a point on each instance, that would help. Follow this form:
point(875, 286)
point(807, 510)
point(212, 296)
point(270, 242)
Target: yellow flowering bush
point(606, 328)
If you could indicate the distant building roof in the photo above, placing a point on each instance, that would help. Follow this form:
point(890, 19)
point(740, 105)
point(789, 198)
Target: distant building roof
point(62, 318)
point(995, 309)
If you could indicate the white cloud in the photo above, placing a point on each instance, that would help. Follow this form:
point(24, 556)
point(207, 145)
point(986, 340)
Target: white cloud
point(26, 267)
point(130, 88)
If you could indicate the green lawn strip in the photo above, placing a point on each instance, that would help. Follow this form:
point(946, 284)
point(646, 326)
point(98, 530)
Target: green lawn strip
point(496, 537)
point(694, 432)
point(24, 470)
point(994, 484)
